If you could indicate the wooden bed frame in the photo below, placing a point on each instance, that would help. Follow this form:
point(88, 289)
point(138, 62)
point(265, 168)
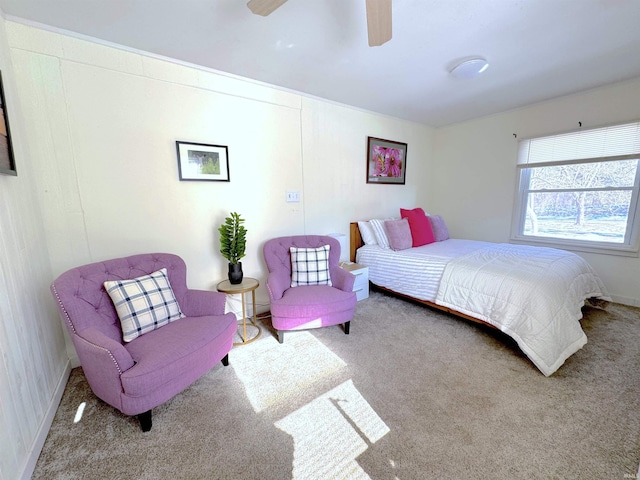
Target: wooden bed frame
point(356, 242)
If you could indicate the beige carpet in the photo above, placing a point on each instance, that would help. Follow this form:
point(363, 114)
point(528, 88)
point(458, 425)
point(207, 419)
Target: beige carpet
point(410, 394)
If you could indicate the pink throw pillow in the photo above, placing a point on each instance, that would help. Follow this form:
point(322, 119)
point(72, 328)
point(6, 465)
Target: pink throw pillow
point(440, 230)
point(398, 233)
point(421, 231)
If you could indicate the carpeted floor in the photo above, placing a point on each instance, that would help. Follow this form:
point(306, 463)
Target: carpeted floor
point(411, 393)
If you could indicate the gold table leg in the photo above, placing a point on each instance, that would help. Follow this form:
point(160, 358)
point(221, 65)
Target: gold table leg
point(251, 321)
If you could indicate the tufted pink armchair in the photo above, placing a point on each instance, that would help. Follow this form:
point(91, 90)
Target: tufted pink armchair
point(309, 306)
point(136, 376)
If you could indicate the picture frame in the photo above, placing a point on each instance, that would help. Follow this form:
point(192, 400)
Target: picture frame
point(386, 161)
point(202, 162)
point(7, 160)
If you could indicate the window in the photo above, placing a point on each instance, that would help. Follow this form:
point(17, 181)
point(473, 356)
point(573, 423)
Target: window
point(580, 190)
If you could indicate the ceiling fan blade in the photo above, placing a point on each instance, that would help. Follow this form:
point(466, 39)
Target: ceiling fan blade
point(378, 21)
point(264, 7)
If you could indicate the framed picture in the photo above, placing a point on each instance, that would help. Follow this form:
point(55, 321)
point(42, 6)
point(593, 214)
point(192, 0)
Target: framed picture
point(7, 162)
point(386, 161)
point(199, 161)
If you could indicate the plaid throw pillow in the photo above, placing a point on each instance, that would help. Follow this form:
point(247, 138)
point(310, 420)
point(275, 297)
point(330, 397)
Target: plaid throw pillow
point(144, 303)
point(310, 266)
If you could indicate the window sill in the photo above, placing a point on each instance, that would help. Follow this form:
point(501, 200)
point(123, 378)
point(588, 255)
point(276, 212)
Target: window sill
point(610, 249)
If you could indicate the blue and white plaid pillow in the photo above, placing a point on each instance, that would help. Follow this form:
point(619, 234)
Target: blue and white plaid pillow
point(310, 266)
point(144, 303)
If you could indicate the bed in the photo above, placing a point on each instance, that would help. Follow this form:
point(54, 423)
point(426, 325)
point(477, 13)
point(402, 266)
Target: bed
point(533, 294)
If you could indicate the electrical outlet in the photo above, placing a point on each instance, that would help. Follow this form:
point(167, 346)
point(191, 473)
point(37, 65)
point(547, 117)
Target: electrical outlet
point(293, 196)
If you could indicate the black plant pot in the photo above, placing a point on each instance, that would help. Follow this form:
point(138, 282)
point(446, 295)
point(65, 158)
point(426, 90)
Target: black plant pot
point(235, 273)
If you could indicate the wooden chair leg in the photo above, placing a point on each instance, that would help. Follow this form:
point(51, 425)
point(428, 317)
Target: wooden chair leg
point(225, 360)
point(346, 327)
point(280, 336)
point(145, 420)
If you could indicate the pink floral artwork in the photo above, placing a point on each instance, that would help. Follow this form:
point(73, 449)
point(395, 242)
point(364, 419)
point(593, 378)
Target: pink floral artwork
point(385, 161)
point(388, 162)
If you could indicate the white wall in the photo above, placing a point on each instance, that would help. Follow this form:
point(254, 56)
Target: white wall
point(101, 124)
point(33, 362)
point(476, 172)
point(100, 180)
point(108, 120)
point(334, 162)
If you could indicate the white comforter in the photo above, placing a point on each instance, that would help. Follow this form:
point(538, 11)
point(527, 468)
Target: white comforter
point(532, 294)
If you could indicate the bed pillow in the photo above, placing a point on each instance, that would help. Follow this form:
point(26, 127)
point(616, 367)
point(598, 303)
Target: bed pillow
point(399, 234)
point(367, 233)
point(380, 232)
point(421, 231)
point(310, 266)
point(440, 230)
point(143, 304)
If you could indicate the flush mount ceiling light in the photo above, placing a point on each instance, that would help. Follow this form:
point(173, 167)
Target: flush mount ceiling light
point(470, 68)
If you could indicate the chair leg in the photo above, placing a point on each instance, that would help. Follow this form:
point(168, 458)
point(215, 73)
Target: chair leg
point(346, 327)
point(280, 336)
point(145, 420)
point(225, 360)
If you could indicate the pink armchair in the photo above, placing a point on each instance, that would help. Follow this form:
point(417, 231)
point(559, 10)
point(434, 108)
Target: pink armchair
point(308, 306)
point(136, 376)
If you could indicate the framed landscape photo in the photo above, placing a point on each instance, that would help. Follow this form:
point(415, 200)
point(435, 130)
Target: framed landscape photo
point(7, 162)
point(386, 161)
point(200, 161)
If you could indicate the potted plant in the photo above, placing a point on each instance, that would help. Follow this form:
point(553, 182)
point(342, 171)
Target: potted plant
point(233, 242)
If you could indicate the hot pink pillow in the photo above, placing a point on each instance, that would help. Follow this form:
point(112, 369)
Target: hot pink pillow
point(421, 231)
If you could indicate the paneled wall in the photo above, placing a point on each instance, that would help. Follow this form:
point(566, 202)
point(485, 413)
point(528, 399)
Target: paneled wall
point(101, 124)
point(33, 361)
point(108, 120)
point(330, 152)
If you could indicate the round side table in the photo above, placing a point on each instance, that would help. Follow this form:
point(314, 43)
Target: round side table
point(248, 284)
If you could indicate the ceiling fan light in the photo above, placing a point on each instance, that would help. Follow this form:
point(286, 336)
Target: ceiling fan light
point(470, 68)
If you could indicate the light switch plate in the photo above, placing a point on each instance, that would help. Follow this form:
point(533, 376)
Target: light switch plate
point(293, 196)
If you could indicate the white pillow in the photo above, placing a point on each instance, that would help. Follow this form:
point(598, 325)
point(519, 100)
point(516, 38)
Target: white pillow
point(144, 303)
point(367, 233)
point(380, 232)
point(310, 266)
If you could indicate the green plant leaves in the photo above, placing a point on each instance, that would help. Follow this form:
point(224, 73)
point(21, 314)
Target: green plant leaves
point(233, 238)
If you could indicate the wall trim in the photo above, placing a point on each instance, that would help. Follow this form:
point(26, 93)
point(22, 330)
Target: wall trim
point(630, 302)
point(45, 426)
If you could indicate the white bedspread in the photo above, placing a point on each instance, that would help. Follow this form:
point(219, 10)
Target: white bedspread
point(533, 294)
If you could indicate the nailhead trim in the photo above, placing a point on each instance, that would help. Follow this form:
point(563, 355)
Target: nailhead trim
point(66, 315)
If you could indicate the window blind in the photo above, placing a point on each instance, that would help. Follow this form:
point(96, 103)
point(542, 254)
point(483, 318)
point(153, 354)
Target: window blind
point(617, 141)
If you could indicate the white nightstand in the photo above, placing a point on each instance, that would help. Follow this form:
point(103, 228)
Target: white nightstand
point(361, 285)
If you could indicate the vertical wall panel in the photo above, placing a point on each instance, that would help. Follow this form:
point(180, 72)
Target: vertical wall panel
point(32, 349)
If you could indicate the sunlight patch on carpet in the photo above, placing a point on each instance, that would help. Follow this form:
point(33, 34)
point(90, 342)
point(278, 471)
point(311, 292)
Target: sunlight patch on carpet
point(273, 372)
point(330, 432)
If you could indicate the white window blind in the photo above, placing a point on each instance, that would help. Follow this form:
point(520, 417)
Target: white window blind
point(613, 143)
point(580, 190)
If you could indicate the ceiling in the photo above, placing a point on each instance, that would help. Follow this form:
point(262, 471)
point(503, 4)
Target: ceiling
point(537, 49)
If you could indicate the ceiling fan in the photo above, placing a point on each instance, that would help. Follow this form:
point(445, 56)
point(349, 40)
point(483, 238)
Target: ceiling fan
point(378, 17)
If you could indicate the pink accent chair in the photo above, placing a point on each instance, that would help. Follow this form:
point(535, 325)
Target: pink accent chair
point(137, 376)
point(308, 306)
